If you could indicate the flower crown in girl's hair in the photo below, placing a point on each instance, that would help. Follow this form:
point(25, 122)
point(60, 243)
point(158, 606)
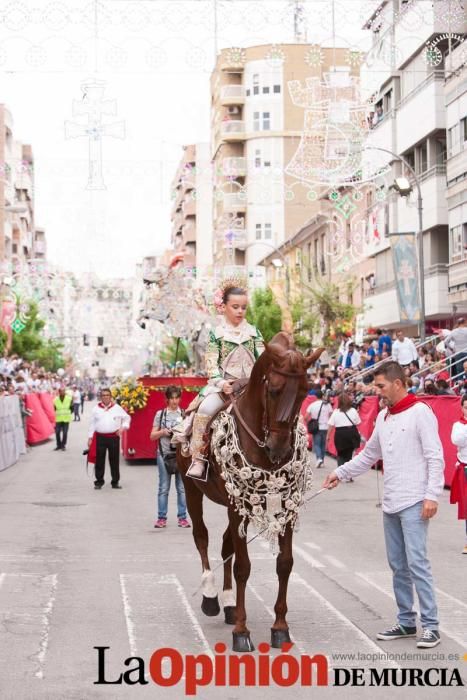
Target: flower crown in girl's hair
point(229, 283)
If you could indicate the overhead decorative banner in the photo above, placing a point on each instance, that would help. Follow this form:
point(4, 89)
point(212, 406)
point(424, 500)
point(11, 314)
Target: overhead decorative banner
point(405, 261)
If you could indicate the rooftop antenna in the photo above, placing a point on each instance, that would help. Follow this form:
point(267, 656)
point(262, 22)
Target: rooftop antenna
point(299, 22)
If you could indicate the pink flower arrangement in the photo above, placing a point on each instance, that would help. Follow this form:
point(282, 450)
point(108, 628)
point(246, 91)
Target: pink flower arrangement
point(219, 299)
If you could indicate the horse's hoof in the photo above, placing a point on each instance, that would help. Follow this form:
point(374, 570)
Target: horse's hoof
point(242, 642)
point(210, 606)
point(229, 614)
point(279, 637)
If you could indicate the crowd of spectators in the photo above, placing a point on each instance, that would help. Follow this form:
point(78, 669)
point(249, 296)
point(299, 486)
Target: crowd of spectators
point(437, 367)
point(17, 376)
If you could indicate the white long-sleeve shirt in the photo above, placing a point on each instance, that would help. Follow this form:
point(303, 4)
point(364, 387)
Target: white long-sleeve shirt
point(404, 351)
point(108, 420)
point(459, 439)
point(409, 445)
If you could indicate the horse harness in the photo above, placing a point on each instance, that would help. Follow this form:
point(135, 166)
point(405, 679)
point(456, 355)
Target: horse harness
point(284, 414)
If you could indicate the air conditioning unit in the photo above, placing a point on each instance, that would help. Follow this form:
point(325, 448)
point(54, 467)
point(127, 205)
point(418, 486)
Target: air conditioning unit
point(233, 110)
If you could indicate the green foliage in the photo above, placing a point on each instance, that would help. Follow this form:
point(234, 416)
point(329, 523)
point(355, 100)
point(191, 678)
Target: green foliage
point(306, 322)
point(265, 313)
point(3, 341)
point(30, 343)
point(169, 355)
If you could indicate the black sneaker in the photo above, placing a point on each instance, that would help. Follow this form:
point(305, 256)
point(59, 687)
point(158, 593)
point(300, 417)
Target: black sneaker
point(429, 638)
point(397, 632)
point(97, 486)
point(116, 486)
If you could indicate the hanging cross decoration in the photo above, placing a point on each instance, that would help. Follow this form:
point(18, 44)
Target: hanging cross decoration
point(95, 107)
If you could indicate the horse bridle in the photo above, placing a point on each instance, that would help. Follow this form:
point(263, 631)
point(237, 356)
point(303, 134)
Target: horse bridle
point(266, 429)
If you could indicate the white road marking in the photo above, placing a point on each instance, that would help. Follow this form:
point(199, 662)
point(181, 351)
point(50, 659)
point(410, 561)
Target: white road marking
point(307, 557)
point(130, 625)
point(46, 615)
point(312, 545)
point(447, 605)
point(191, 614)
point(342, 618)
point(17, 613)
point(335, 562)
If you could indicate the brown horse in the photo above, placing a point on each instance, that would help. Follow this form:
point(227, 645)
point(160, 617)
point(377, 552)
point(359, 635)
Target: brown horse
point(266, 416)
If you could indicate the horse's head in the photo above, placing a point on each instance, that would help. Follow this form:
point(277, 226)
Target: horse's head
point(285, 387)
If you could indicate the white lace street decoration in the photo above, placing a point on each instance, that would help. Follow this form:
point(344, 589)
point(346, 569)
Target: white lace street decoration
point(269, 500)
point(95, 108)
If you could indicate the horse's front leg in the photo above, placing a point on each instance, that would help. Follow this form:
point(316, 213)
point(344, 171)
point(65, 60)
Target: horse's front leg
point(241, 569)
point(284, 564)
point(228, 597)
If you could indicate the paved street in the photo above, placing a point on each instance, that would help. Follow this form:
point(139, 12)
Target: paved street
point(81, 568)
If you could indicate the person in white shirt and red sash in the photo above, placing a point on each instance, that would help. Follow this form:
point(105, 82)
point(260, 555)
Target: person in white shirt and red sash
point(406, 438)
point(459, 483)
point(108, 421)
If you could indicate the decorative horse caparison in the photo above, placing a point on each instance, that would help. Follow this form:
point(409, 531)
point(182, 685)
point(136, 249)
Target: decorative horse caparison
point(266, 421)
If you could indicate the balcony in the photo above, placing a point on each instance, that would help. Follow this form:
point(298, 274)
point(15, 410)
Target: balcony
point(188, 180)
point(189, 233)
point(429, 19)
point(435, 208)
point(421, 112)
point(189, 207)
point(234, 167)
point(233, 130)
point(234, 201)
point(458, 279)
point(177, 222)
point(232, 95)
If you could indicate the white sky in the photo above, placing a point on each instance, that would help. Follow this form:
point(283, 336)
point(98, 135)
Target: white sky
point(156, 58)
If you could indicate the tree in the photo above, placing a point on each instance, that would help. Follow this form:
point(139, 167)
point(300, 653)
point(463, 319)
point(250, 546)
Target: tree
point(170, 355)
point(265, 313)
point(30, 343)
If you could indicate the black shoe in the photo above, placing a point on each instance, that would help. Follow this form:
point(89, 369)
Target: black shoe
point(63, 449)
point(116, 486)
point(57, 448)
point(429, 638)
point(97, 486)
point(397, 632)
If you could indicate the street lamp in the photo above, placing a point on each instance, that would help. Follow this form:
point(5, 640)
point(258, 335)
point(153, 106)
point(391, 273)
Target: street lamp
point(403, 186)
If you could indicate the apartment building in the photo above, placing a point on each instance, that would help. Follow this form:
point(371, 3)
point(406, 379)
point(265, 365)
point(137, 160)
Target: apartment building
point(19, 239)
point(258, 124)
point(409, 53)
point(191, 214)
point(456, 122)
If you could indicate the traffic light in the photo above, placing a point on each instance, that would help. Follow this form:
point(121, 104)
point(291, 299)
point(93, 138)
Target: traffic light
point(100, 340)
point(106, 350)
point(85, 339)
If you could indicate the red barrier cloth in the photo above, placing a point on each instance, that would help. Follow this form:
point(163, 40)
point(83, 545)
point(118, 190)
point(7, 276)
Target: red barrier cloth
point(459, 492)
point(447, 410)
point(137, 437)
point(47, 403)
point(38, 426)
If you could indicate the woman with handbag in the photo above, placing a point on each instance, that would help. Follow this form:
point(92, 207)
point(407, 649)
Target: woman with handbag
point(164, 422)
point(346, 436)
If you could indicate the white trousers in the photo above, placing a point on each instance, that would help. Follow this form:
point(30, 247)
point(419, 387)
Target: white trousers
point(210, 405)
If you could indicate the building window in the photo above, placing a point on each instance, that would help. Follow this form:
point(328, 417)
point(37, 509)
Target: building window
point(410, 158)
point(265, 89)
point(256, 84)
point(323, 254)
point(267, 163)
point(457, 247)
point(266, 121)
point(453, 140)
point(276, 89)
point(255, 121)
point(268, 231)
point(464, 130)
point(422, 152)
point(257, 158)
point(258, 232)
point(248, 92)
point(315, 255)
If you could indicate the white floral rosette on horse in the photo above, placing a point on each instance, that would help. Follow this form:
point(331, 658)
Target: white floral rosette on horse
point(267, 499)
